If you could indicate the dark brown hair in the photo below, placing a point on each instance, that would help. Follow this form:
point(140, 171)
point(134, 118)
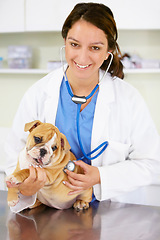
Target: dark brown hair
point(102, 17)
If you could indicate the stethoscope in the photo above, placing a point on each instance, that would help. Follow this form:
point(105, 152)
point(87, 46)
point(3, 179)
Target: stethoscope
point(79, 100)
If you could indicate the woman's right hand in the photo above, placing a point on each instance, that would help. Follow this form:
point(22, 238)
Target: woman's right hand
point(33, 183)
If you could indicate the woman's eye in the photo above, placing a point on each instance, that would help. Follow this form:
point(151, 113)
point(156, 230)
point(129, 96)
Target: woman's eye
point(95, 48)
point(74, 44)
point(54, 148)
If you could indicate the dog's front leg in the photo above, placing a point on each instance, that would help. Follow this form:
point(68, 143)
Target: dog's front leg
point(12, 197)
point(15, 178)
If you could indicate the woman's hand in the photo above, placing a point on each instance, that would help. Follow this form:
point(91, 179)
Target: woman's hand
point(33, 183)
point(81, 182)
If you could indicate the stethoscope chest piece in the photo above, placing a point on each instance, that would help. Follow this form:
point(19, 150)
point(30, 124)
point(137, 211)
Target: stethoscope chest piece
point(78, 99)
point(70, 166)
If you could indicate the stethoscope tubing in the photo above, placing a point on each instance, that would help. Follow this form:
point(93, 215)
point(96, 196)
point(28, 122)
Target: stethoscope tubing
point(104, 144)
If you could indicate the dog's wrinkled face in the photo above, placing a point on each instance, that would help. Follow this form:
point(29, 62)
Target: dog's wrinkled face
point(42, 154)
point(44, 143)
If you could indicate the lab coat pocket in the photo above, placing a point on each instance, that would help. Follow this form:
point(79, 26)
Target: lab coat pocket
point(116, 152)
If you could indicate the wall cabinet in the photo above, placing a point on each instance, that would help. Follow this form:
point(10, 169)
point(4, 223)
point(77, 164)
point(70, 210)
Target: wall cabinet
point(12, 16)
point(49, 15)
point(135, 14)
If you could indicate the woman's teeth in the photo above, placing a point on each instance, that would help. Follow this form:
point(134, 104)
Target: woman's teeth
point(81, 66)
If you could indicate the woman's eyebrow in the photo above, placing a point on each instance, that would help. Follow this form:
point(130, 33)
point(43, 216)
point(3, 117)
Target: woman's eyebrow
point(94, 43)
point(73, 39)
point(97, 43)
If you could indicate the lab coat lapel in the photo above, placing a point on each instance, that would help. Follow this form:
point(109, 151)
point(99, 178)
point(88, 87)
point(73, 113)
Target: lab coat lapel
point(100, 131)
point(52, 91)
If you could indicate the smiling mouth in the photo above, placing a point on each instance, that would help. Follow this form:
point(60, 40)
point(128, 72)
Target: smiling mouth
point(82, 66)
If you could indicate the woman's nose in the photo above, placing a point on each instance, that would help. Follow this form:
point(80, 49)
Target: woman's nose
point(83, 56)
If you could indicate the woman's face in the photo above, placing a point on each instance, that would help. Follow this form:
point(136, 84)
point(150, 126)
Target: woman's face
point(86, 49)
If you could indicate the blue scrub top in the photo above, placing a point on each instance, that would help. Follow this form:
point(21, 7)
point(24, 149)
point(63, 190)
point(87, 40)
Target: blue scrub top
point(66, 118)
point(66, 121)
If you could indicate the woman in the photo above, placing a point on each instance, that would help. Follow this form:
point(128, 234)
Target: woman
point(115, 112)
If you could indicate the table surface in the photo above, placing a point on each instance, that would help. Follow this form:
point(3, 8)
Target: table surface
point(106, 221)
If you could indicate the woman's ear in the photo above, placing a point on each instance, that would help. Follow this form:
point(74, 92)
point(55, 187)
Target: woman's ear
point(108, 53)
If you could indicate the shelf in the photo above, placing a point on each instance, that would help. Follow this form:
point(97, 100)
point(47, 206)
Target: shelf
point(140, 70)
point(24, 71)
point(45, 71)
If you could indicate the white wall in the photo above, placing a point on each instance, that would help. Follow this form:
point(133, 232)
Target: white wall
point(45, 45)
point(147, 45)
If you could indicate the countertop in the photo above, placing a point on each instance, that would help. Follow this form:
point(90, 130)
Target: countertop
point(105, 220)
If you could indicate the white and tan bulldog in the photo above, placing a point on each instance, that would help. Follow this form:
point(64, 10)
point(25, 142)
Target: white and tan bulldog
point(48, 148)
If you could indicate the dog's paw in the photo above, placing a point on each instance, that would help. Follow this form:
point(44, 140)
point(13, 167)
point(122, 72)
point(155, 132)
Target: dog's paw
point(12, 179)
point(13, 203)
point(80, 205)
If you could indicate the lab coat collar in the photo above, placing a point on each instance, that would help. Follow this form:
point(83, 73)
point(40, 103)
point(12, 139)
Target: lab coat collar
point(52, 91)
point(105, 96)
point(56, 77)
point(106, 87)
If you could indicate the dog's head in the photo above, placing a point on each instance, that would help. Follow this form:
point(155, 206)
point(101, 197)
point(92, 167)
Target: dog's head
point(45, 143)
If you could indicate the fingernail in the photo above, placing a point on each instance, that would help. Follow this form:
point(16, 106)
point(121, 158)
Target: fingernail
point(64, 182)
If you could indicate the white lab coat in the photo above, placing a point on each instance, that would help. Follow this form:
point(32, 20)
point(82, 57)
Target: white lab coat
point(132, 159)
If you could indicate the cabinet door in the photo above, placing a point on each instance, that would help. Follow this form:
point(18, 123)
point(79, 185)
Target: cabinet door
point(47, 15)
point(11, 15)
point(135, 14)
point(44, 15)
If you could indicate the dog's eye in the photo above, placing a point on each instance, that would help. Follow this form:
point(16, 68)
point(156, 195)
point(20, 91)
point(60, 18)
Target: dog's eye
point(37, 139)
point(54, 148)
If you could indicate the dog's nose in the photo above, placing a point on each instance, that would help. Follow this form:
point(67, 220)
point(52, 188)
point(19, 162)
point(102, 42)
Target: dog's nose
point(43, 151)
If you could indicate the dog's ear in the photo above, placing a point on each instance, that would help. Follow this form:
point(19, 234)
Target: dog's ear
point(31, 125)
point(64, 143)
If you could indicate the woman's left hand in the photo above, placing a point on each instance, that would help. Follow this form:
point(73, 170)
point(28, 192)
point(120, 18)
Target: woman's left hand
point(81, 182)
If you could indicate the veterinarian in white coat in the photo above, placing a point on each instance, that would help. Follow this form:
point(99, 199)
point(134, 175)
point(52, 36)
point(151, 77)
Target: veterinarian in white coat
point(132, 159)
